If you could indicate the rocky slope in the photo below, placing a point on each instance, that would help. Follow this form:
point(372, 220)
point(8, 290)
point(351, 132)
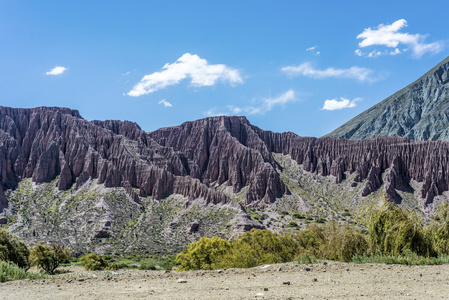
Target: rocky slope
point(108, 186)
point(420, 111)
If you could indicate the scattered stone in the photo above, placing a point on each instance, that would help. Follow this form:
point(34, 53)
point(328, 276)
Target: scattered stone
point(279, 269)
point(69, 281)
point(265, 289)
point(286, 283)
point(182, 280)
point(3, 221)
point(315, 279)
point(266, 266)
point(325, 263)
point(220, 271)
point(81, 279)
point(259, 294)
point(166, 272)
point(306, 269)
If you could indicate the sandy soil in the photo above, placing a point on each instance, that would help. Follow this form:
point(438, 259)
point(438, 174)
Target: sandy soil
point(332, 281)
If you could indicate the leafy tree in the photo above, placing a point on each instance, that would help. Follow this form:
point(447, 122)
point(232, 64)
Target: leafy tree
point(13, 250)
point(49, 257)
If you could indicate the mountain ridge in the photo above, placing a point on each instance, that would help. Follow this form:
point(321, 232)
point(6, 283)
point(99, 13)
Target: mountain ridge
point(92, 184)
point(418, 111)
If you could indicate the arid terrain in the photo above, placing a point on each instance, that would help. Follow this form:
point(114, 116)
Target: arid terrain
point(333, 280)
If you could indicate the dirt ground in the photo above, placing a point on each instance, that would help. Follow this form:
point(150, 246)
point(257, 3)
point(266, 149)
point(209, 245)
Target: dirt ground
point(333, 280)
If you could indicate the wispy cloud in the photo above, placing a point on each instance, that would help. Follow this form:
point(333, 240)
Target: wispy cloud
point(213, 113)
point(262, 106)
point(200, 72)
point(165, 103)
point(390, 37)
point(335, 104)
point(306, 69)
point(313, 50)
point(58, 70)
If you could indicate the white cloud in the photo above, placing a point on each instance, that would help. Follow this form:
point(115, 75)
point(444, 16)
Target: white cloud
point(213, 113)
point(58, 70)
point(313, 50)
point(389, 36)
point(335, 104)
point(306, 69)
point(165, 103)
point(263, 105)
point(200, 72)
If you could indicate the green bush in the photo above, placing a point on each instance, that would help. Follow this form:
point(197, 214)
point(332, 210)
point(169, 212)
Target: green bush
point(307, 259)
point(299, 215)
point(147, 266)
point(438, 231)
point(204, 254)
point(392, 231)
point(49, 257)
point(94, 262)
point(10, 271)
point(13, 250)
point(292, 225)
point(342, 243)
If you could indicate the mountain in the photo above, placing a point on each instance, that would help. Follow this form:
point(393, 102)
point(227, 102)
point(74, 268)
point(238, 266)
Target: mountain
point(108, 186)
point(420, 111)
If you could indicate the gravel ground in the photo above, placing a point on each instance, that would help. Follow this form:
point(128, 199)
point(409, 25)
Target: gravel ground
point(333, 280)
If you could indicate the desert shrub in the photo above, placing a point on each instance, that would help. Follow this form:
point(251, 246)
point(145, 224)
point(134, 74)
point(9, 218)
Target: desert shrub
point(311, 240)
point(392, 231)
point(307, 259)
point(11, 271)
point(204, 254)
point(168, 262)
point(292, 225)
point(14, 250)
point(299, 215)
point(94, 262)
point(438, 230)
point(49, 257)
point(258, 247)
point(342, 243)
point(147, 266)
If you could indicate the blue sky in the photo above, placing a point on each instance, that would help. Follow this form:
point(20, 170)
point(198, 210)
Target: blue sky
point(301, 66)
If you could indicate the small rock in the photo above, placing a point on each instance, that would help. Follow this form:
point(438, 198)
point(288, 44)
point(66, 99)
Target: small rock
point(279, 269)
point(220, 271)
point(325, 263)
point(315, 279)
point(286, 283)
point(166, 272)
point(69, 281)
point(259, 295)
point(265, 289)
point(266, 266)
point(81, 279)
point(182, 280)
point(306, 269)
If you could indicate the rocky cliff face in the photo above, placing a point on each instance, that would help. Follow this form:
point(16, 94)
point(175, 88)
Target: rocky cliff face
point(44, 143)
point(66, 177)
point(420, 111)
point(227, 150)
